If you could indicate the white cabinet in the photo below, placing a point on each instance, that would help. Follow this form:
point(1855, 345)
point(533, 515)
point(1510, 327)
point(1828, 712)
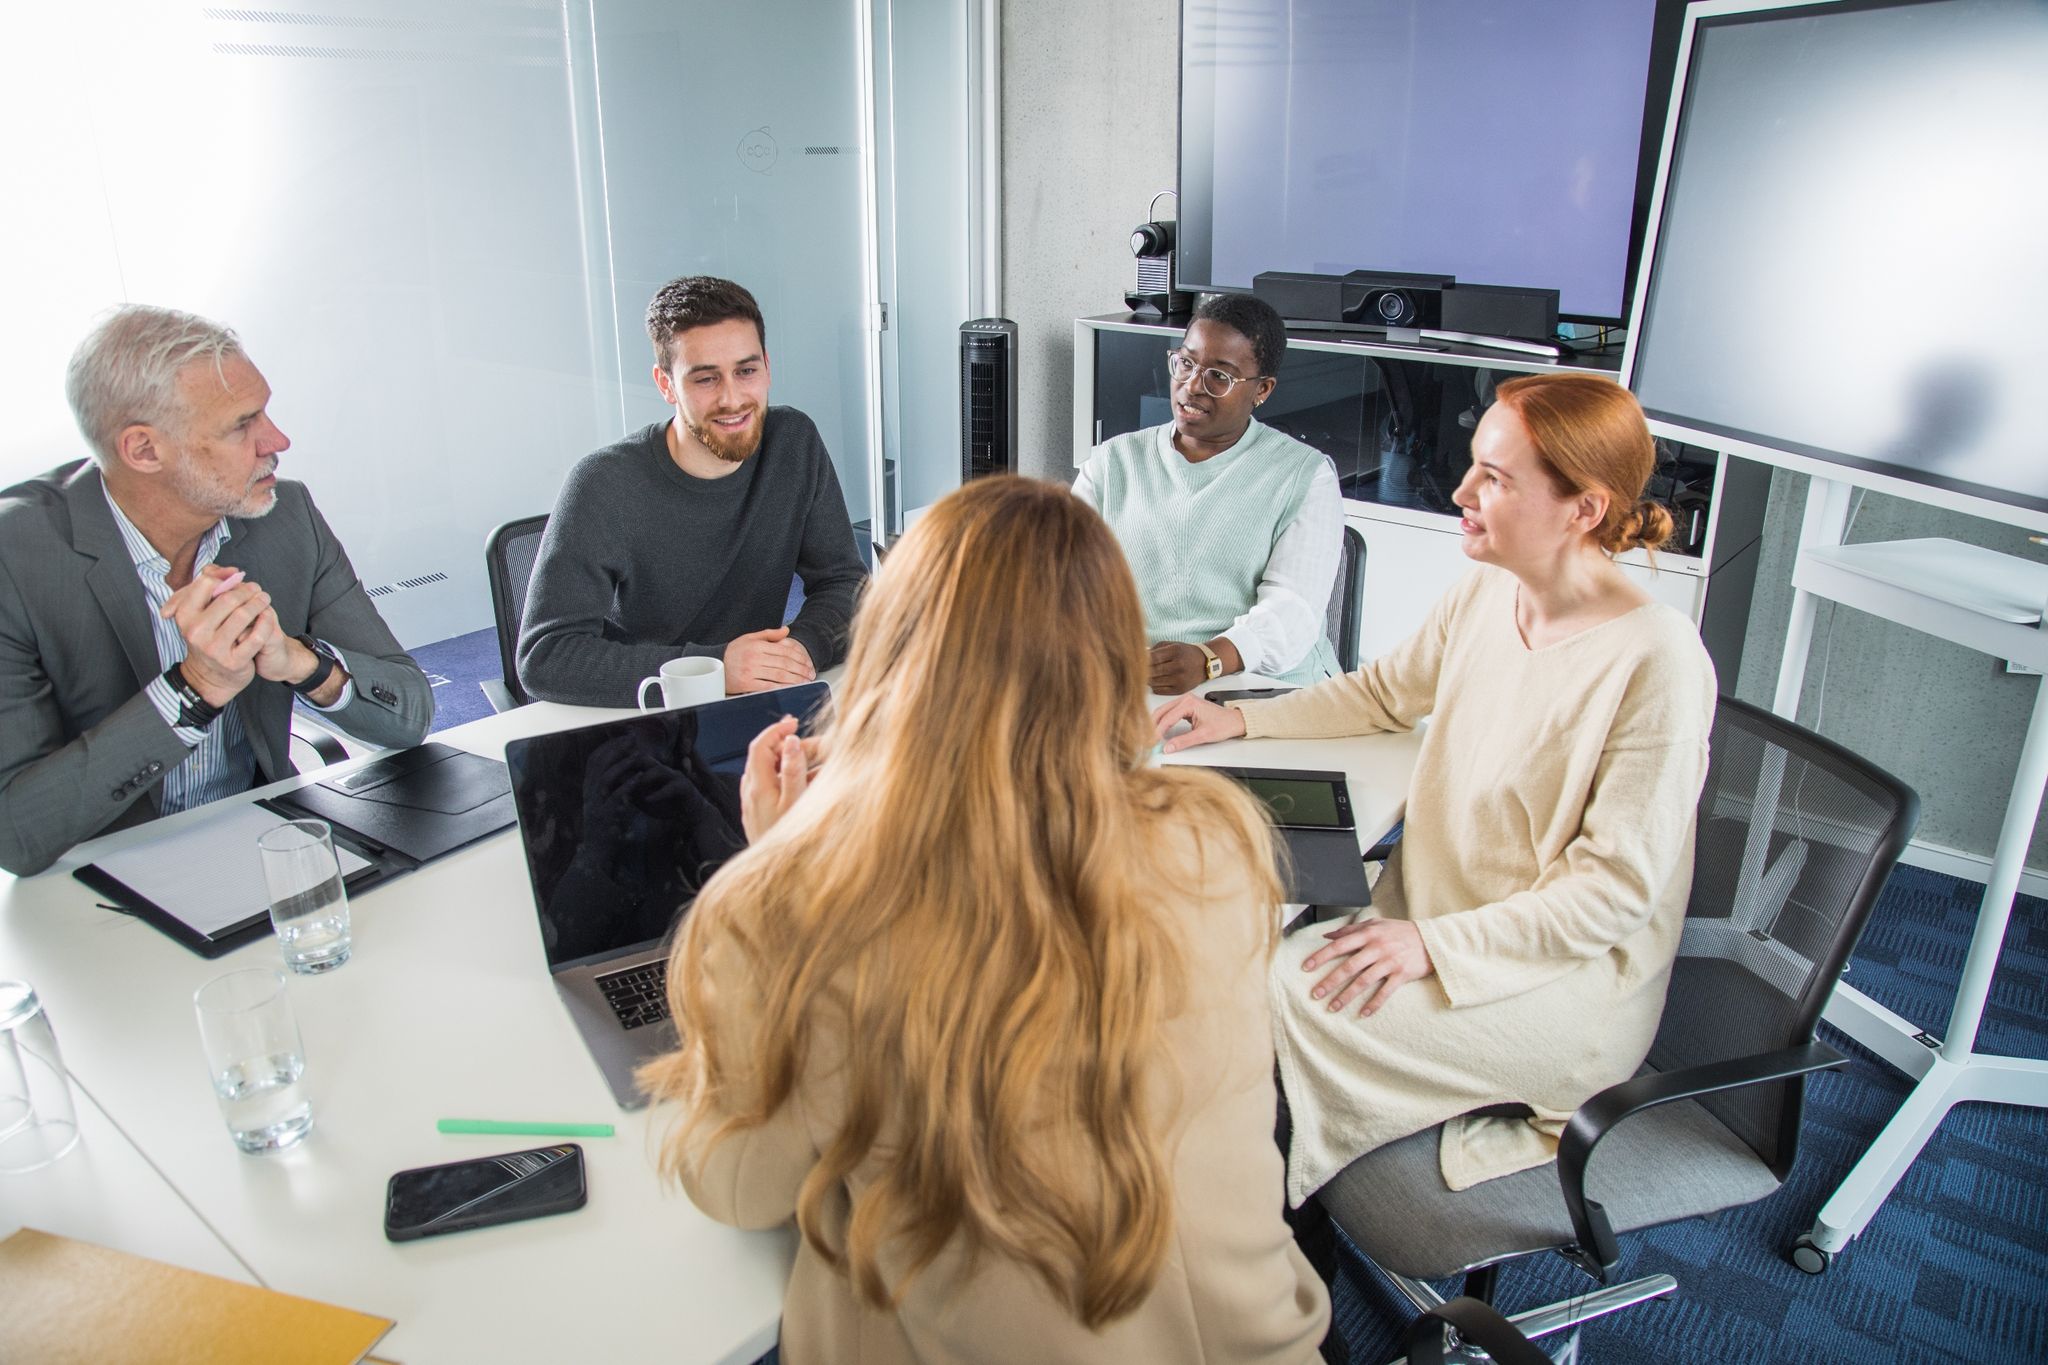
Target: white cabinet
point(1406, 569)
point(1411, 559)
point(1396, 423)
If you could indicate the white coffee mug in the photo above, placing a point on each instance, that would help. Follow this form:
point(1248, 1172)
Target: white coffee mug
point(686, 682)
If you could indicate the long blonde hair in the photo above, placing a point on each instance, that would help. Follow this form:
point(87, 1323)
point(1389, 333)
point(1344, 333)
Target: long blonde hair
point(976, 872)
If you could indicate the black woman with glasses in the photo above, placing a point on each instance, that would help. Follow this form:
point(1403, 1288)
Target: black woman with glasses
point(1233, 530)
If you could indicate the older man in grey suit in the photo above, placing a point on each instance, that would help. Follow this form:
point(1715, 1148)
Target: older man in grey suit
point(162, 603)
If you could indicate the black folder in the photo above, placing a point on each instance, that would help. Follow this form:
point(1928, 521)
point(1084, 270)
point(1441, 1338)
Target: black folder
point(397, 812)
point(421, 802)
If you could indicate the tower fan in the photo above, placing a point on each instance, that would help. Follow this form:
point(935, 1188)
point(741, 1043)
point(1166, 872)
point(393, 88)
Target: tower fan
point(988, 397)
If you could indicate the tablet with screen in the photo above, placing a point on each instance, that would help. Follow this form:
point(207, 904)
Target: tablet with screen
point(1299, 800)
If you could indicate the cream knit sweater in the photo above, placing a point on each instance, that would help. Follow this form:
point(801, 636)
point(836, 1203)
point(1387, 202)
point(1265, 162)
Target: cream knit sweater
point(1546, 860)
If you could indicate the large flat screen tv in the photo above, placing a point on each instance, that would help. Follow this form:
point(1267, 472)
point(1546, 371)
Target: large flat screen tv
point(1846, 271)
point(1504, 142)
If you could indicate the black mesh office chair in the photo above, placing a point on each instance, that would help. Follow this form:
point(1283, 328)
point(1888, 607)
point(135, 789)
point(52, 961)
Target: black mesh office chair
point(1713, 1119)
point(509, 553)
point(1341, 620)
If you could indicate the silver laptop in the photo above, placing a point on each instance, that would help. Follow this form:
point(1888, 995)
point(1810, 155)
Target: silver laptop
point(622, 823)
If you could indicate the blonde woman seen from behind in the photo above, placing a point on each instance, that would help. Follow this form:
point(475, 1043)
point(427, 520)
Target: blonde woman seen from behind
point(1523, 935)
point(983, 1005)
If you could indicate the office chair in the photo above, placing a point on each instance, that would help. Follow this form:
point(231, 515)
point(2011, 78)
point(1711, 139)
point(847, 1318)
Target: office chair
point(1795, 838)
point(1341, 619)
point(509, 553)
point(324, 744)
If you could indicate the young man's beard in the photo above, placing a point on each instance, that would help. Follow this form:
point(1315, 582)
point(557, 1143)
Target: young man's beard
point(731, 447)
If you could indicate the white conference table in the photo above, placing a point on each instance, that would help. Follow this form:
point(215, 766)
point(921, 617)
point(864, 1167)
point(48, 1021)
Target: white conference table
point(106, 1192)
point(445, 1010)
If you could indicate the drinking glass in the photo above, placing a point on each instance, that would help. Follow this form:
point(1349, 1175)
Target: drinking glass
point(37, 1121)
point(308, 904)
point(254, 1058)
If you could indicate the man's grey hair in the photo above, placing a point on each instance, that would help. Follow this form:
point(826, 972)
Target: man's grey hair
point(126, 370)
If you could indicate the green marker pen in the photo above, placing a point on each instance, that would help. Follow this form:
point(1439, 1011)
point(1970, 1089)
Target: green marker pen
point(511, 1128)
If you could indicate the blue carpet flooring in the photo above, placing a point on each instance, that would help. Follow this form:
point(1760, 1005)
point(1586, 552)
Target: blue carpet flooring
point(1954, 1266)
point(458, 668)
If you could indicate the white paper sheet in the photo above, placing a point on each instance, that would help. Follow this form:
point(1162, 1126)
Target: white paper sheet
point(208, 875)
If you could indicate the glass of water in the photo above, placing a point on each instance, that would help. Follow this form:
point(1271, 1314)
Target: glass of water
point(308, 904)
point(37, 1122)
point(255, 1058)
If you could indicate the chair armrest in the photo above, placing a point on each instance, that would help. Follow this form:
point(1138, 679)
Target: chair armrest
point(1477, 1323)
point(318, 738)
point(498, 695)
point(1597, 1250)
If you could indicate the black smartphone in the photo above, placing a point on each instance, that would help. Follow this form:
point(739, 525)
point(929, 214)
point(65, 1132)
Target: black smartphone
point(430, 1200)
point(1247, 694)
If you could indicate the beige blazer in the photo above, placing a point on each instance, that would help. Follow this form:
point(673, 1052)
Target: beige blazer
point(1233, 1287)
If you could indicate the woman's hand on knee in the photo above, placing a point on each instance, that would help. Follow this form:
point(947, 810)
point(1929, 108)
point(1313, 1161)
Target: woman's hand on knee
point(1372, 959)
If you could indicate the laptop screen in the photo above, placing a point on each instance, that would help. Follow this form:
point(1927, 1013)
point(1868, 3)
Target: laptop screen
point(624, 821)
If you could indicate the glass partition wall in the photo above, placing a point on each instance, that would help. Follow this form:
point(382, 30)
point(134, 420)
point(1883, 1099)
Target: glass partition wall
point(437, 223)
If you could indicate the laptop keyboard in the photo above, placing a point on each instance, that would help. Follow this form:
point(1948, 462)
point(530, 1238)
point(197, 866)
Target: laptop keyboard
point(638, 995)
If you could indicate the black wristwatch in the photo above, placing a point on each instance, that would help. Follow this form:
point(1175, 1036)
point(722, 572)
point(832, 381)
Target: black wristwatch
point(194, 711)
point(322, 670)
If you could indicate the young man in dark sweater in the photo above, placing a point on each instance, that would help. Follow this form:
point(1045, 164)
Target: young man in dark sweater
point(683, 538)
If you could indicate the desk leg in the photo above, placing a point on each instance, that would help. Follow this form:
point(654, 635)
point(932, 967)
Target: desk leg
point(1825, 522)
point(1893, 1037)
point(1958, 1073)
point(2000, 886)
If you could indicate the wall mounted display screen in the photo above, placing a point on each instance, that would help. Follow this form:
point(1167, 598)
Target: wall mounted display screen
point(1846, 271)
point(1498, 141)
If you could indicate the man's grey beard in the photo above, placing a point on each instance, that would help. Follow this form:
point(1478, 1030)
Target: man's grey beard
point(209, 496)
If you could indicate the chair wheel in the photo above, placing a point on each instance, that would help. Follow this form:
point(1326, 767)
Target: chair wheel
point(1809, 1257)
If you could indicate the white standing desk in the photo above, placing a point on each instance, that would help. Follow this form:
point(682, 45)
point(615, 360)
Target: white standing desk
point(445, 1010)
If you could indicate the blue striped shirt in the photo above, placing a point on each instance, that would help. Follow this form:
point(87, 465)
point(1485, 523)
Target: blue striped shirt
point(221, 762)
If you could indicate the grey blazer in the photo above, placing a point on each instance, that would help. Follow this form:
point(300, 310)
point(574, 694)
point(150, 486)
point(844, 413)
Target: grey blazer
point(82, 750)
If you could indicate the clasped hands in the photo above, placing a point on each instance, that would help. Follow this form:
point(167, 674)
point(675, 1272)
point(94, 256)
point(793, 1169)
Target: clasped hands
point(232, 637)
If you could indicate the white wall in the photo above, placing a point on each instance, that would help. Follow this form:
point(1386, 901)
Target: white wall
point(436, 229)
point(1090, 94)
point(386, 211)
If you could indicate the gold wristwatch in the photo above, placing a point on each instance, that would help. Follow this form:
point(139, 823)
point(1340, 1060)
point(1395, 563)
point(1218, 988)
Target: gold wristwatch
point(1213, 669)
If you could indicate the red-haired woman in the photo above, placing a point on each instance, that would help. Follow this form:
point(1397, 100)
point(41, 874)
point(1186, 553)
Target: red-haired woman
point(1523, 934)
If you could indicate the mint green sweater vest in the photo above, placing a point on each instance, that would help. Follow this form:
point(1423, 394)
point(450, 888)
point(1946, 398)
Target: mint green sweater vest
point(1198, 535)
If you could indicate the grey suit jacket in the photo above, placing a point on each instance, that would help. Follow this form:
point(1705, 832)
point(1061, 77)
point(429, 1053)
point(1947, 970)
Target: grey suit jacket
point(82, 750)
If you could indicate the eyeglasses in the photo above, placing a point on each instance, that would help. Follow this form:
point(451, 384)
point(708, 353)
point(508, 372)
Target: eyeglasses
point(1214, 382)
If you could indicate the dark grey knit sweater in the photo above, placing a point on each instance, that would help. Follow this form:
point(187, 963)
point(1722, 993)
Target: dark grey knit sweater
point(642, 562)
